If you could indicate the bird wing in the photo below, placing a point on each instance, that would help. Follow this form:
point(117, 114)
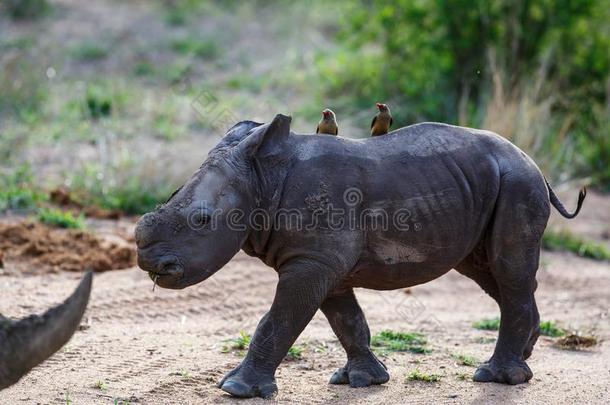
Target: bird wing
point(373, 122)
point(391, 121)
point(337, 130)
point(318, 129)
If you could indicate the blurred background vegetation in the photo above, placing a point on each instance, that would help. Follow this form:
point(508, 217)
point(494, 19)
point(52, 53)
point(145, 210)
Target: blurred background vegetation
point(120, 101)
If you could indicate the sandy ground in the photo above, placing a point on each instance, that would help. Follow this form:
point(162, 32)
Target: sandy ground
point(165, 346)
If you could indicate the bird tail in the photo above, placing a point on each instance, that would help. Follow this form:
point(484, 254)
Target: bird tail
point(559, 206)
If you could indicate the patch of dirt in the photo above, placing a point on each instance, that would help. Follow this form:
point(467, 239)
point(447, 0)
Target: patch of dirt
point(62, 197)
point(40, 249)
point(576, 342)
point(166, 346)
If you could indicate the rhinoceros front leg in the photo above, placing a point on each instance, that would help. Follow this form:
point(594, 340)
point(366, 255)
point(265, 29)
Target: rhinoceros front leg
point(349, 324)
point(299, 294)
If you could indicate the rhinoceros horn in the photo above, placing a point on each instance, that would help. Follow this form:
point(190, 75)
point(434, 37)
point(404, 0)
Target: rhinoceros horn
point(29, 341)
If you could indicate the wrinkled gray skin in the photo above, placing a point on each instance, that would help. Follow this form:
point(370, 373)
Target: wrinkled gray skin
point(29, 341)
point(474, 202)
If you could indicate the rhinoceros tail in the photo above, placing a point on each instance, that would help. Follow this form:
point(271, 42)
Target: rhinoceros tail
point(29, 341)
point(559, 206)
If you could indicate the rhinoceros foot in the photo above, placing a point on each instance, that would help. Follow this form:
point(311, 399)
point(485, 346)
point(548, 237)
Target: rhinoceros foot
point(244, 382)
point(361, 372)
point(508, 372)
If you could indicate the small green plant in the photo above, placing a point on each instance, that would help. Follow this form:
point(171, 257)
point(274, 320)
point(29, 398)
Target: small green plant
point(237, 345)
point(17, 190)
point(98, 103)
point(60, 219)
point(417, 375)
point(26, 9)
point(464, 360)
point(206, 49)
point(462, 376)
point(177, 12)
point(175, 17)
point(390, 341)
point(566, 241)
point(487, 324)
point(100, 385)
point(89, 51)
point(184, 373)
point(295, 353)
point(143, 69)
point(548, 328)
point(241, 343)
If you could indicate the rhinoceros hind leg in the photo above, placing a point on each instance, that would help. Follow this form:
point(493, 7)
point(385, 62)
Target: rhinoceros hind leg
point(513, 248)
point(349, 324)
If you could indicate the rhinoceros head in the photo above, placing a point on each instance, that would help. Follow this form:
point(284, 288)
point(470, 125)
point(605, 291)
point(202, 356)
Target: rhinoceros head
point(30, 341)
point(202, 226)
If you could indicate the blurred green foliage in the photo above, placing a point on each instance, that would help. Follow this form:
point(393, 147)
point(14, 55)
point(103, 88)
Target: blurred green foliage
point(89, 51)
point(205, 49)
point(457, 60)
point(566, 241)
point(428, 54)
point(26, 9)
point(60, 219)
point(120, 186)
point(391, 341)
point(17, 190)
point(487, 324)
point(549, 328)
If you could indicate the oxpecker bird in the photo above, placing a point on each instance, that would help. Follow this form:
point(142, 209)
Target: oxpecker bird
point(328, 123)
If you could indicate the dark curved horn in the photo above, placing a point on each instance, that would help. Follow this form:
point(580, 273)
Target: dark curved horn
point(29, 341)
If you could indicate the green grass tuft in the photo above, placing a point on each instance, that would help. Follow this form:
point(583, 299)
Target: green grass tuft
point(548, 328)
point(390, 341)
point(100, 385)
point(417, 375)
point(295, 353)
point(463, 376)
point(143, 69)
point(205, 49)
point(240, 344)
point(26, 9)
point(465, 360)
point(17, 191)
point(60, 219)
point(237, 345)
point(566, 241)
point(98, 103)
point(487, 324)
point(89, 51)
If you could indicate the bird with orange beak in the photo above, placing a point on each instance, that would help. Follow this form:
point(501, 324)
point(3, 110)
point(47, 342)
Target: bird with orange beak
point(382, 121)
point(328, 123)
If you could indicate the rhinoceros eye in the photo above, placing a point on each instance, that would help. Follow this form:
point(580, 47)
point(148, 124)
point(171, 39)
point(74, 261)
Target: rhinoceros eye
point(198, 219)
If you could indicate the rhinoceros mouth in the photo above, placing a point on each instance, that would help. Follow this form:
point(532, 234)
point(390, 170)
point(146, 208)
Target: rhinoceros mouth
point(168, 276)
point(172, 270)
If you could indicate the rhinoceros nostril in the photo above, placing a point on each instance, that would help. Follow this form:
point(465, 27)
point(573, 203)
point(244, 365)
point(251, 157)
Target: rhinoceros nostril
point(167, 262)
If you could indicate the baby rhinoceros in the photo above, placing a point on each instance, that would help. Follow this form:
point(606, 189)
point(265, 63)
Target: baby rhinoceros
point(381, 213)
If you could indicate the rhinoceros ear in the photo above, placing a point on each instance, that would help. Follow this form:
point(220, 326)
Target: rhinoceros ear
point(266, 140)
